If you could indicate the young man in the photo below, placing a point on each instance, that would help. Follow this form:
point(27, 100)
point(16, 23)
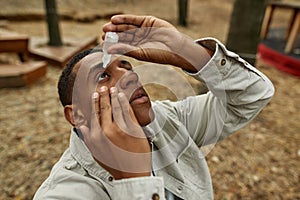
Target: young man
point(123, 146)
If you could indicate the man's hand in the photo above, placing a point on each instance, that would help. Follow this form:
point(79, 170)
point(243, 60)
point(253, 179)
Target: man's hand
point(115, 138)
point(151, 39)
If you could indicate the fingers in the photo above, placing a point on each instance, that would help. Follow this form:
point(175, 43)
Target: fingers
point(96, 114)
point(123, 114)
point(118, 27)
point(122, 49)
point(116, 109)
point(94, 123)
point(125, 106)
point(121, 23)
point(95, 99)
point(140, 21)
point(105, 108)
point(129, 19)
point(132, 126)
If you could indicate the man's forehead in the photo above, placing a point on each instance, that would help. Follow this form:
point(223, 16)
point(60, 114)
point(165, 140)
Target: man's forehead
point(84, 68)
point(92, 58)
point(89, 61)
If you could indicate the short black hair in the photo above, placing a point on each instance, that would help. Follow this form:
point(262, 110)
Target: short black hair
point(67, 77)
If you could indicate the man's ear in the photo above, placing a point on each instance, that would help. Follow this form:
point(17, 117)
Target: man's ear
point(69, 115)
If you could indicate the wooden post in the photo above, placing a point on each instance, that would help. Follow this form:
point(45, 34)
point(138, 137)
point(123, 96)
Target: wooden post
point(245, 27)
point(293, 34)
point(52, 21)
point(182, 12)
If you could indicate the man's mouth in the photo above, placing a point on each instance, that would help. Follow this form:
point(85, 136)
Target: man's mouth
point(139, 97)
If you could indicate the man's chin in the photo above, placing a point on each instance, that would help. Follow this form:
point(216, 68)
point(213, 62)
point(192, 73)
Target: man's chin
point(144, 117)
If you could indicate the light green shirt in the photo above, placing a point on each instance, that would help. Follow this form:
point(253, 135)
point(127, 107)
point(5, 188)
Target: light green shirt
point(237, 93)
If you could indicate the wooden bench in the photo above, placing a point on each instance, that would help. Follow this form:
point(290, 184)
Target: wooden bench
point(20, 73)
point(293, 25)
point(59, 56)
point(13, 42)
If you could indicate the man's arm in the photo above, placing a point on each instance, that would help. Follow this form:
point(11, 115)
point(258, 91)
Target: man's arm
point(237, 93)
point(154, 40)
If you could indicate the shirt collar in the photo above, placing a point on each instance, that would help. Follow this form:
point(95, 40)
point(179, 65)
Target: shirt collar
point(82, 155)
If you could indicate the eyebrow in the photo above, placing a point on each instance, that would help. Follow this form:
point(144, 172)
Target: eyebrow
point(94, 68)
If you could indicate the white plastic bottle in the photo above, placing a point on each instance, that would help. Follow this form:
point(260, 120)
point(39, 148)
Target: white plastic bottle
point(110, 39)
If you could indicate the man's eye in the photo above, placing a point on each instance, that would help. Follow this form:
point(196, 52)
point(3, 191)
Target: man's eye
point(102, 76)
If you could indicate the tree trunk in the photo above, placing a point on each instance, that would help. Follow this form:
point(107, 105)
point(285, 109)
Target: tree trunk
point(52, 21)
point(182, 12)
point(245, 27)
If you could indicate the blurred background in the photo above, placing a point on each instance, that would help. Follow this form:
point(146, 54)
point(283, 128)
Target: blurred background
point(260, 161)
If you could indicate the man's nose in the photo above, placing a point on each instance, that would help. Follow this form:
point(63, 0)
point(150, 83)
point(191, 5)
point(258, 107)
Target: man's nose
point(129, 79)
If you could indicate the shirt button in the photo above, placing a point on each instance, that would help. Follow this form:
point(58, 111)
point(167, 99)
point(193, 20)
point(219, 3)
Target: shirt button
point(110, 178)
point(179, 188)
point(223, 62)
point(155, 196)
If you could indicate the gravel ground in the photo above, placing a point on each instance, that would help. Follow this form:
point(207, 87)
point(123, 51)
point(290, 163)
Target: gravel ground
point(261, 161)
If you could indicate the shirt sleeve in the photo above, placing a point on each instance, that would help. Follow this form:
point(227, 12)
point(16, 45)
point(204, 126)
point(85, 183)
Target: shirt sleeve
point(147, 188)
point(237, 93)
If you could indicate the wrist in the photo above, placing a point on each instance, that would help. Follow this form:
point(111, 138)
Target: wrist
point(118, 174)
point(193, 56)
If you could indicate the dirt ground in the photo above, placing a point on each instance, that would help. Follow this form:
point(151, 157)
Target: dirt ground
point(260, 161)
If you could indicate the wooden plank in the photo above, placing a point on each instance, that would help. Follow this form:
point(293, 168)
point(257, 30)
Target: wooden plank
point(11, 35)
point(13, 42)
point(288, 5)
point(22, 74)
point(293, 35)
point(59, 56)
point(267, 21)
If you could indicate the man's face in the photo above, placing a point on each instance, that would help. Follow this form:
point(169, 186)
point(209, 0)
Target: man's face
point(91, 76)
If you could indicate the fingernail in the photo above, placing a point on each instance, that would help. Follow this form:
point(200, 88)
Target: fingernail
point(95, 95)
point(103, 89)
point(113, 89)
point(121, 94)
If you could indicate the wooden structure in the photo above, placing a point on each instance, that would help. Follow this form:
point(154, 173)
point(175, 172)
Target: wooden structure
point(59, 55)
point(13, 42)
point(293, 25)
point(23, 73)
point(245, 27)
point(55, 51)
